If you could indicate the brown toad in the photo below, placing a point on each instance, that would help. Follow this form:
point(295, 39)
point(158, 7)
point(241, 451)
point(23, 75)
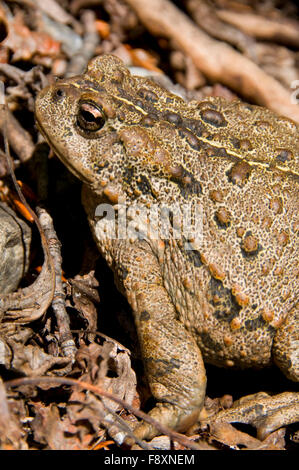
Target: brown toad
point(228, 294)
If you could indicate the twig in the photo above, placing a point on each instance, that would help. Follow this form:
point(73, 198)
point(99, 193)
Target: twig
point(218, 61)
point(98, 391)
point(121, 424)
point(19, 139)
point(283, 31)
point(54, 11)
point(58, 303)
point(205, 16)
point(91, 39)
point(13, 72)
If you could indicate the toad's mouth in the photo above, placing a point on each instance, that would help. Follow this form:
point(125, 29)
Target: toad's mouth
point(60, 155)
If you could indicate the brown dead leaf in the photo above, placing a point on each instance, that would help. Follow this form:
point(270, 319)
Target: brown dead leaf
point(85, 298)
point(110, 369)
point(11, 433)
point(30, 303)
point(226, 434)
point(33, 361)
point(275, 441)
point(51, 430)
point(26, 359)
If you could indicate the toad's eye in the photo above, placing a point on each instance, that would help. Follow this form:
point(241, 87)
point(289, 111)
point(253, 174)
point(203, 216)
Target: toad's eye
point(90, 117)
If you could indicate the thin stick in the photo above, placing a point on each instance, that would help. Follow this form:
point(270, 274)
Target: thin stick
point(98, 391)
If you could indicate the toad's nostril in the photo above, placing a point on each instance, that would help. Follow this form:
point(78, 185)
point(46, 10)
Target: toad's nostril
point(59, 93)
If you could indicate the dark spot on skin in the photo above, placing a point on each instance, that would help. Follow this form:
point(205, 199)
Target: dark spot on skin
point(213, 117)
point(148, 95)
point(144, 316)
point(172, 118)
point(161, 367)
point(257, 409)
point(149, 120)
point(187, 184)
point(68, 132)
point(243, 144)
point(250, 246)
point(254, 324)
point(235, 142)
point(129, 175)
point(284, 156)
point(194, 257)
point(99, 168)
point(222, 218)
point(226, 307)
point(276, 205)
point(212, 151)
point(141, 182)
point(167, 217)
point(194, 126)
point(169, 100)
point(221, 152)
point(144, 185)
point(209, 342)
point(258, 323)
point(121, 115)
point(139, 103)
point(285, 359)
point(190, 138)
point(239, 173)
point(124, 273)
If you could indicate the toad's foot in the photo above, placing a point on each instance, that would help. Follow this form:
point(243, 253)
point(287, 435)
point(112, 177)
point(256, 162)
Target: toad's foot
point(266, 413)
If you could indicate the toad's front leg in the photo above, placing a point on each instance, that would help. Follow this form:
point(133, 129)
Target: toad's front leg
point(172, 359)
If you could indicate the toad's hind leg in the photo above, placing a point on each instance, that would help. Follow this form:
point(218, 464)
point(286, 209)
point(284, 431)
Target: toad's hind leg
point(265, 412)
point(172, 359)
point(286, 345)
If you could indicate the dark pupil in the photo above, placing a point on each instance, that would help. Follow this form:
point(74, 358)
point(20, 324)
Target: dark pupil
point(90, 117)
